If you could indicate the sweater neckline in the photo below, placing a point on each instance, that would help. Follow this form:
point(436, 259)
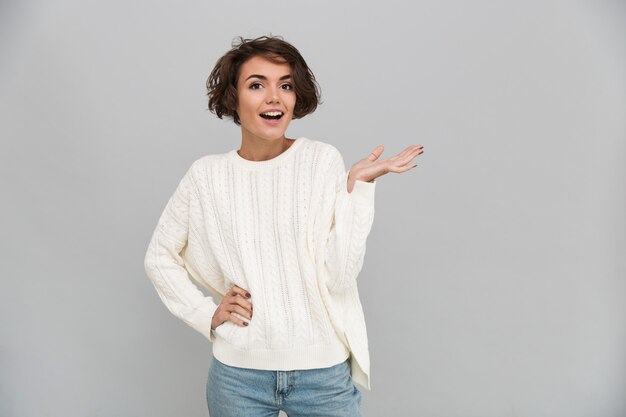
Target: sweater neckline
point(269, 163)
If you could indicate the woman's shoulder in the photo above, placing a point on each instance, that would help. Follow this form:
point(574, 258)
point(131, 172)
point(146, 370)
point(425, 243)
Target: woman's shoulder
point(324, 149)
point(210, 159)
point(203, 164)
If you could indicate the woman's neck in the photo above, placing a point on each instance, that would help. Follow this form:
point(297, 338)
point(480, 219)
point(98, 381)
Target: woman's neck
point(258, 149)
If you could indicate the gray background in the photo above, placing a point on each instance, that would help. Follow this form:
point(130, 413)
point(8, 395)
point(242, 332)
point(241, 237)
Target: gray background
point(493, 283)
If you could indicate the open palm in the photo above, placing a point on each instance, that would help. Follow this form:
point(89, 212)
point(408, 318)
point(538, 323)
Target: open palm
point(372, 167)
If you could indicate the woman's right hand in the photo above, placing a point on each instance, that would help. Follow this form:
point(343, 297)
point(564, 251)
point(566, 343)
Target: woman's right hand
point(235, 300)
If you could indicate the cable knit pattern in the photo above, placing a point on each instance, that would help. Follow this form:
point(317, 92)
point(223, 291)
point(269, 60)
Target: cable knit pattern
point(286, 230)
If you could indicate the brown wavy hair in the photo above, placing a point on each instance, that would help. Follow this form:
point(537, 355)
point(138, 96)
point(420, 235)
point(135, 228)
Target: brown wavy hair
point(222, 82)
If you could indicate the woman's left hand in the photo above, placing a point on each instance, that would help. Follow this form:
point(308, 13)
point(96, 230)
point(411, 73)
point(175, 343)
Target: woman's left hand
point(370, 168)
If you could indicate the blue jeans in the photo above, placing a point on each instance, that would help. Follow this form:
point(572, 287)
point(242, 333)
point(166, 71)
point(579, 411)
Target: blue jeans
point(243, 392)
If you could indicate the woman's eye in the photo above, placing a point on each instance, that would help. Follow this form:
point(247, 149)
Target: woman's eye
point(287, 86)
point(255, 86)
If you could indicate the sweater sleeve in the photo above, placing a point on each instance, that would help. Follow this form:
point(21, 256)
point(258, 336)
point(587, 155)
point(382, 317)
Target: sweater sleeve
point(351, 219)
point(165, 266)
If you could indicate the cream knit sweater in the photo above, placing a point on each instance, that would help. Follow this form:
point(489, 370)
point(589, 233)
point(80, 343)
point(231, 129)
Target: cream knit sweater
point(286, 230)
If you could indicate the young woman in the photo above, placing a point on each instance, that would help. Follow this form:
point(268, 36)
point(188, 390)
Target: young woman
point(275, 232)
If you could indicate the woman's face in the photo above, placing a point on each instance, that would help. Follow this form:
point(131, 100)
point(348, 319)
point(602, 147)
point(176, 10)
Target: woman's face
point(263, 87)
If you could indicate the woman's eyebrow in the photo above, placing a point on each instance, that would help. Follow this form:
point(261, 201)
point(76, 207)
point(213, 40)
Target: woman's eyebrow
point(263, 77)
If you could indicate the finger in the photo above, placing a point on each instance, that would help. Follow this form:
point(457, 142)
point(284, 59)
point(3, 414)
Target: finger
point(407, 151)
point(238, 290)
point(242, 311)
point(376, 153)
point(401, 165)
point(232, 291)
point(232, 317)
point(406, 158)
point(239, 300)
point(401, 169)
point(414, 148)
point(418, 152)
point(411, 148)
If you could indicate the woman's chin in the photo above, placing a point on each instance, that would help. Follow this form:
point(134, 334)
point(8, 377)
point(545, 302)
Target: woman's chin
point(269, 133)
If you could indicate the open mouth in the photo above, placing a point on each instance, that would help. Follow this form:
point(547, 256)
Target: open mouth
point(272, 115)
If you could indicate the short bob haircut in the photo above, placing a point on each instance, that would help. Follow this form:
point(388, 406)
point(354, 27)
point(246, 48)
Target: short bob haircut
point(222, 82)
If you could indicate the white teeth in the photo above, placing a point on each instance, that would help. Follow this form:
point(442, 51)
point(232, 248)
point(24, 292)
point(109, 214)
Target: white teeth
point(273, 113)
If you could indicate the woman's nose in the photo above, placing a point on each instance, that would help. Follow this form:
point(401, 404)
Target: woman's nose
point(272, 96)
